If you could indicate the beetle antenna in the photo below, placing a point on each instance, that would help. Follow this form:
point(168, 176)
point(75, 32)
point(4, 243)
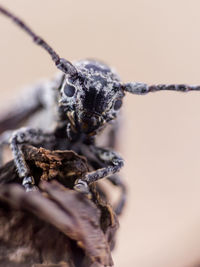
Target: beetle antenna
point(61, 63)
point(143, 88)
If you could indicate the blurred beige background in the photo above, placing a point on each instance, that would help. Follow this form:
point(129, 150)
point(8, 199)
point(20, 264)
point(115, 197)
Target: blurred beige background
point(153, 41)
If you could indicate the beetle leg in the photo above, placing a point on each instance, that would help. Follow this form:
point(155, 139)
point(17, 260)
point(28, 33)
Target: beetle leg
point(112, 162)
point(27, 136)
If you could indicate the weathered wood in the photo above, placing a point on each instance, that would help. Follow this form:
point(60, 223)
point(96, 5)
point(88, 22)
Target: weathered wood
point(54, 226)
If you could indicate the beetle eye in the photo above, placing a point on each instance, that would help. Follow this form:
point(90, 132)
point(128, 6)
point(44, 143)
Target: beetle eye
point(117, 104)
point(69, 90)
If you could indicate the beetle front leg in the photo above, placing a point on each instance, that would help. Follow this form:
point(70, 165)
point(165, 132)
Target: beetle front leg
point(112, 161)
point(32, 137)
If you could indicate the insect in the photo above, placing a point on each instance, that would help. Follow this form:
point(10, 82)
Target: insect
point(86, 95)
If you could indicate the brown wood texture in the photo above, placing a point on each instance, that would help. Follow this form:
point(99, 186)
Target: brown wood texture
point(54, 226)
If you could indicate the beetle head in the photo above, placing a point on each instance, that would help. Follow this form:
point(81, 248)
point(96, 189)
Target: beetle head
point(93, 97)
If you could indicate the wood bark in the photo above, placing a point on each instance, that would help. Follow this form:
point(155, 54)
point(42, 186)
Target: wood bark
point(54, 226)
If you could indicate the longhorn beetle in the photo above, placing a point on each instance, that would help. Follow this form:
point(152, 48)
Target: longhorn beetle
point(87, 95)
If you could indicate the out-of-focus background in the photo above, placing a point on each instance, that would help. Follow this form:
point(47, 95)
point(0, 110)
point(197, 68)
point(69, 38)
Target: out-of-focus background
point(153, 41)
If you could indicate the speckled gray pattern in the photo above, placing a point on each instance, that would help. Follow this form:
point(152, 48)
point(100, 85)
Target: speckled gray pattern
point(142, 88)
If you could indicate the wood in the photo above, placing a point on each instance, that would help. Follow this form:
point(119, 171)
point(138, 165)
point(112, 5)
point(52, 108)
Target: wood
point(54, 226)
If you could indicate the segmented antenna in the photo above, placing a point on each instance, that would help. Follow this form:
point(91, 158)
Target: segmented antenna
point(143, 88)
point(61, 63)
